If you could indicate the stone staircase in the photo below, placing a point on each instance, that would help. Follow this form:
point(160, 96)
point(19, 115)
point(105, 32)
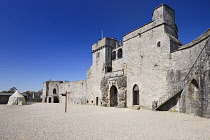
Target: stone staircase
point(179, 87)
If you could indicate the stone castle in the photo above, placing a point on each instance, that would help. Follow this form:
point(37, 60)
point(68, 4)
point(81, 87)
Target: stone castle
point(148, 69)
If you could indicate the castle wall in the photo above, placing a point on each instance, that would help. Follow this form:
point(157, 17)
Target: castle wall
point(147, 65)
point(54, 86)
point(94, 77)
point(189, 61)
point(50, 89)
point(77, 89)
point(196, 94)
point(102, 51)
point(153, 59)
point(117, 64)
point(182, 60)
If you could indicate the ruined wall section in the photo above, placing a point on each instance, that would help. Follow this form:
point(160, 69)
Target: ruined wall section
point(77, 89)
point(50, 89)
point(54, 87)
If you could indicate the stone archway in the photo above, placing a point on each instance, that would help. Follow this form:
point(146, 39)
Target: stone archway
point(113, 96)
point(135, 95)
point(193, 89)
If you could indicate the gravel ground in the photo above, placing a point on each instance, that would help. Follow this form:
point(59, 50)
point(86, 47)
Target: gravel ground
point(49, 122)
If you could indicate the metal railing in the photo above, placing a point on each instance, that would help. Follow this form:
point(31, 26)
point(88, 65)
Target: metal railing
point(180, 86)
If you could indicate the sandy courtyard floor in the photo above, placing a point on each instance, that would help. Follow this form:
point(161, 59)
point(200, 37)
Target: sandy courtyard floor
point(82, 122)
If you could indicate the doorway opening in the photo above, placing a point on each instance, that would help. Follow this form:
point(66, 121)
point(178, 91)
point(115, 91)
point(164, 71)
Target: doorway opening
point(113, 96)
point(194, 89)
point(56, 100)
point(96, 100)
point(49, 100)
point(135, 95)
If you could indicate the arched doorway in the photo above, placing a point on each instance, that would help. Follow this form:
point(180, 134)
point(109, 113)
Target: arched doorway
point(113, 96)
point(135, 95)
point(119, 53)
point(193, 89)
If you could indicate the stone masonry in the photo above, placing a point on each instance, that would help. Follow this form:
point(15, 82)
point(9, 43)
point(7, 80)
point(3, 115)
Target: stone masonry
point(142, 68)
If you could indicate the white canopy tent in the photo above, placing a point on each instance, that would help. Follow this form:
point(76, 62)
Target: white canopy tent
point(16, 99)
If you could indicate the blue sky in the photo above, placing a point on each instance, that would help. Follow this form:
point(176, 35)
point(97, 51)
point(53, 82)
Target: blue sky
point(51, 39)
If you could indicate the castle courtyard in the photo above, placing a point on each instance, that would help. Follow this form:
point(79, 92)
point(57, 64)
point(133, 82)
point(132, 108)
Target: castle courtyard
point(84, 122)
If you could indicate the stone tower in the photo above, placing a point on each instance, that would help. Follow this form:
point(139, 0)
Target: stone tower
point(165, 15)
point(102, 53)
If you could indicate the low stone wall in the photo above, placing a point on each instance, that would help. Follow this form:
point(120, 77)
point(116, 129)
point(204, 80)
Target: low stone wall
point(34, 100)
point(77, 90)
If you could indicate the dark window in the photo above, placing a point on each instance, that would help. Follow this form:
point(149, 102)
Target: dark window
point(158, 44)
point(108, 69)
point(56, 100)
point(113, 55)
point(49, 100)
point(54, 91)
point(119, 53)
point(96, 100)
